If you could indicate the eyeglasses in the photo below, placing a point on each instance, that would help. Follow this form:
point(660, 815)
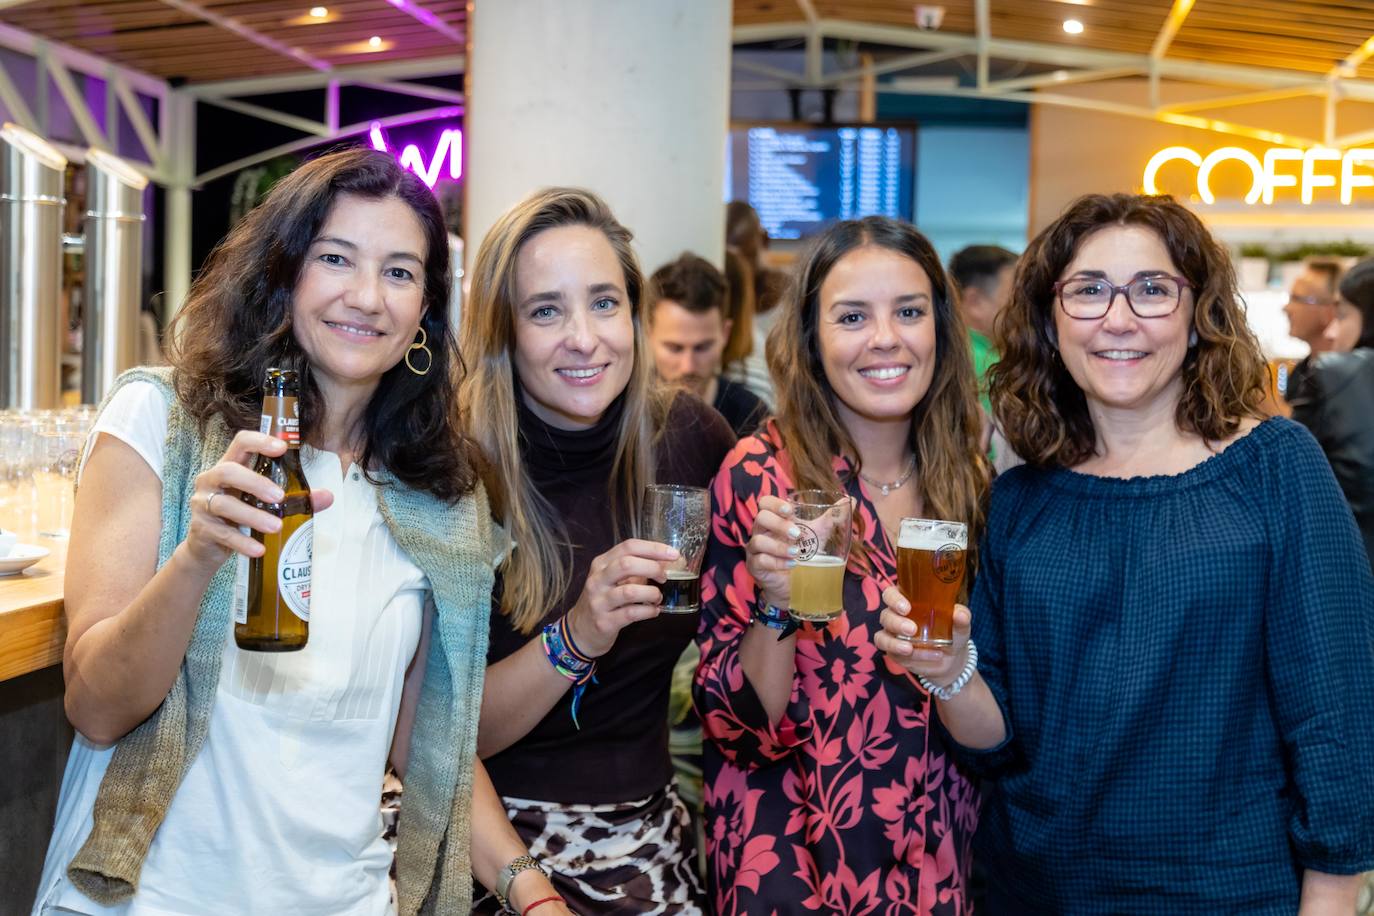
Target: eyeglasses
point(1310, 300)
point(1090, 298)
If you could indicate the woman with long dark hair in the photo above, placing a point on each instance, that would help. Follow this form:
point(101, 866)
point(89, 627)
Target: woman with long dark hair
point(1175, 644)
point(826, 788)
point(206, 779)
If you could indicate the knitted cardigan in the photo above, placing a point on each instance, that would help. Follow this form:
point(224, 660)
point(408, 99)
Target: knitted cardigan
point(452, 545)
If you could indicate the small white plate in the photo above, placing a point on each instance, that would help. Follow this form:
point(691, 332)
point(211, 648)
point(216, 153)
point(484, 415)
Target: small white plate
point(21, 558)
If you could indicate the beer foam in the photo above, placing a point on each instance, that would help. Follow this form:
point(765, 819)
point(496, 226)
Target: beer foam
point(924, 534)
point(822, 559)
point(682, 574)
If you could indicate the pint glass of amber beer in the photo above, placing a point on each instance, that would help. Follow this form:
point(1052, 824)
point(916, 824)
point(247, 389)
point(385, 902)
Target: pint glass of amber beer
point(681, 518)
point(930, 573)
point(817, 581)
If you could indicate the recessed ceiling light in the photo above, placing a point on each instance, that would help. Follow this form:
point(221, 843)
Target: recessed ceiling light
point(1073, 26)
point(375, 41)
point(319, 12)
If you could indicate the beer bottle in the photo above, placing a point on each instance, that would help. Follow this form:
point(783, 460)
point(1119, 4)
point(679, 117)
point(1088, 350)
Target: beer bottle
point(272, 592)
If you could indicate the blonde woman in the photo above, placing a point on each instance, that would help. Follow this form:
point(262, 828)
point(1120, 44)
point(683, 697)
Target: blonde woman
point(574, 717)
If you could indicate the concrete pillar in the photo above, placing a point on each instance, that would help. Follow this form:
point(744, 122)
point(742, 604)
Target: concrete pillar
point(625, 97)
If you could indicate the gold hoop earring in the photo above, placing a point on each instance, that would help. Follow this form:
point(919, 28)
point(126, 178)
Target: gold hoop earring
point(420, 345)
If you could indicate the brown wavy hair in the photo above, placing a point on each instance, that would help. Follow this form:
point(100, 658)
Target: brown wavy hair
point(236, 323)
point(537, 574)
point(1042, 411)
point(951, 472)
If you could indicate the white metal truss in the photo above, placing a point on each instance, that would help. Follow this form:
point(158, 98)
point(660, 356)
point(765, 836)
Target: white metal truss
point(58, 65)
point(1075, 65)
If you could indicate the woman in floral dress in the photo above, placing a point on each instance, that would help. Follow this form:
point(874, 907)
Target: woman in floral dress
point(826, 789)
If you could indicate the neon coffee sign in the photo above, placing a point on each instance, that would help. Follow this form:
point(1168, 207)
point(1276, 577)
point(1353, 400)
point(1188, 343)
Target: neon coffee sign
point(1281, 167)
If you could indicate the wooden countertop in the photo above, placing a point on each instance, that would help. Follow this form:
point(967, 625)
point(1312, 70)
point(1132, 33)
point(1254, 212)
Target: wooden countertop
point(32, 626)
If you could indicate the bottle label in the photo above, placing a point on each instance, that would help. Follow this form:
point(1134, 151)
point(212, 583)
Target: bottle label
point(293, 570)
point(241, 581)
point(281, 418)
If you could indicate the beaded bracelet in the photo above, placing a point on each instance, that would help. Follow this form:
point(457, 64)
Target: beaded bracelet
point(960, 682)
point(568, 660)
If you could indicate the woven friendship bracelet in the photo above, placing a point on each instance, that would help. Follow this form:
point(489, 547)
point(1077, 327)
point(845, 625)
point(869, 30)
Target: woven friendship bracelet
point(569, 661)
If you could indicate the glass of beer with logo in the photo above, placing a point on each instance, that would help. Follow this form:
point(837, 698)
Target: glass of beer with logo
point(817, 579)
point(930, 574)
point(681, 518)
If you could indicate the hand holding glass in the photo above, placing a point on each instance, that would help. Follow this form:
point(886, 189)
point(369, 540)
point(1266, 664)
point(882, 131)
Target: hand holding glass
point(681, 518)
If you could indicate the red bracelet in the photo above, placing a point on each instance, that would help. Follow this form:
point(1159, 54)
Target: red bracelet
point(526, 910)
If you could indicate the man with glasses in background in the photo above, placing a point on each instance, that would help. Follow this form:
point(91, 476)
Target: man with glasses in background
point(1311, 308)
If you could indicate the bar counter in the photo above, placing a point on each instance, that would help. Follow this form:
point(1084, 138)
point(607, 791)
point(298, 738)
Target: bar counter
point(32, 628)
point(34, 733)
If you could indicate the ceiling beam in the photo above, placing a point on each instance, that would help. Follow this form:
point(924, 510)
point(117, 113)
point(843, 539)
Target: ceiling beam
point(14, 103)
point(80, 61)
point(1172, 23)
point(895, 65)
point(417, 90)
point(786, 77)
point(1243, 98)
point(244, 32)
point(1062, 78)
point(1350, 66)
point(809, 11)
point(304, 125)
point(416, 11)
point(983, 26)
point(290, 82)
point(1081, 57)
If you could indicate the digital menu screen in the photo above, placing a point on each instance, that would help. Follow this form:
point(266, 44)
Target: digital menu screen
point(802, 178)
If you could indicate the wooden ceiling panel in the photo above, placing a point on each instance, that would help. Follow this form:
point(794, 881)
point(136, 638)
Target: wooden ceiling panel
point(1303, 35)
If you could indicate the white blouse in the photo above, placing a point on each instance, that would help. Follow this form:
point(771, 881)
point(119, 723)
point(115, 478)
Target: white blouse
point(278, 813)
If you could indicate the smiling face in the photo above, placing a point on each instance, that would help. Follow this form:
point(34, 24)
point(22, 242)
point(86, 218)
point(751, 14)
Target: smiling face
point(876, 333)
point(357, 304)
point(1121, 361)
point(574, 328)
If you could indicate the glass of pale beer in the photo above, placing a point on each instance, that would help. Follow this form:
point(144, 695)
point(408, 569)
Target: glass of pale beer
point(930, 574)
point(817, 579)
point(681, 518)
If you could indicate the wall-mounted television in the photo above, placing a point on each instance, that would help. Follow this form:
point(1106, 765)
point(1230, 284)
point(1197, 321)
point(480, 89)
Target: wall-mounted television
point(802, 177)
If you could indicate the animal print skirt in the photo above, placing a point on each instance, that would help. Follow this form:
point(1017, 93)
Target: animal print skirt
point(632, 858)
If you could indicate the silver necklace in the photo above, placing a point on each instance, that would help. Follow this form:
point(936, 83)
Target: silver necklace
point(887, 488)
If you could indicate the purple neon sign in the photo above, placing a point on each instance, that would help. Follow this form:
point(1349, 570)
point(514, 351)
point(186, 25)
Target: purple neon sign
point(448, 149)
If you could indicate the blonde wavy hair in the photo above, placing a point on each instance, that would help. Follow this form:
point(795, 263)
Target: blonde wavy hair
point(951, 471)
point(536, 574)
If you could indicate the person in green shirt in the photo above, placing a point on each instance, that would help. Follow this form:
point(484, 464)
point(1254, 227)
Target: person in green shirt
point(983, 274)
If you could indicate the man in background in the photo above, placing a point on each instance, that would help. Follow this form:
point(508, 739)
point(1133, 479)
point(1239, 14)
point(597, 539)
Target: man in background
point(1311, 308)
point(983, 275)
point(684, 310)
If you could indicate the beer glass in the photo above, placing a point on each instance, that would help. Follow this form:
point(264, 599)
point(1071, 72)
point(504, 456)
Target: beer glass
point(681, 518)
point(817, 579)
point(930, 573)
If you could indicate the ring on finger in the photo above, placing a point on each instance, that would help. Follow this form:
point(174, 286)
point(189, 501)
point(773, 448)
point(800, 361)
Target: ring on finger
point(210, 501)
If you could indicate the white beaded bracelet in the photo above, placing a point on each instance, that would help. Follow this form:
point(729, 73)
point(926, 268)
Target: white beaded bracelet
point(960, 682)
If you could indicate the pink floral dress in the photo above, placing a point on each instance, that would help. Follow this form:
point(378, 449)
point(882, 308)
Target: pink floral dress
point(851, 803)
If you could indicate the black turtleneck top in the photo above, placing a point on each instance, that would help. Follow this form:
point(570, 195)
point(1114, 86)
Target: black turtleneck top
point(620, 754)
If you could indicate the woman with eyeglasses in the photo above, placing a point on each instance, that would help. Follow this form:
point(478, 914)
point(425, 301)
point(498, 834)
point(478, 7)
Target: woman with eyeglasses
point(1174, 615)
